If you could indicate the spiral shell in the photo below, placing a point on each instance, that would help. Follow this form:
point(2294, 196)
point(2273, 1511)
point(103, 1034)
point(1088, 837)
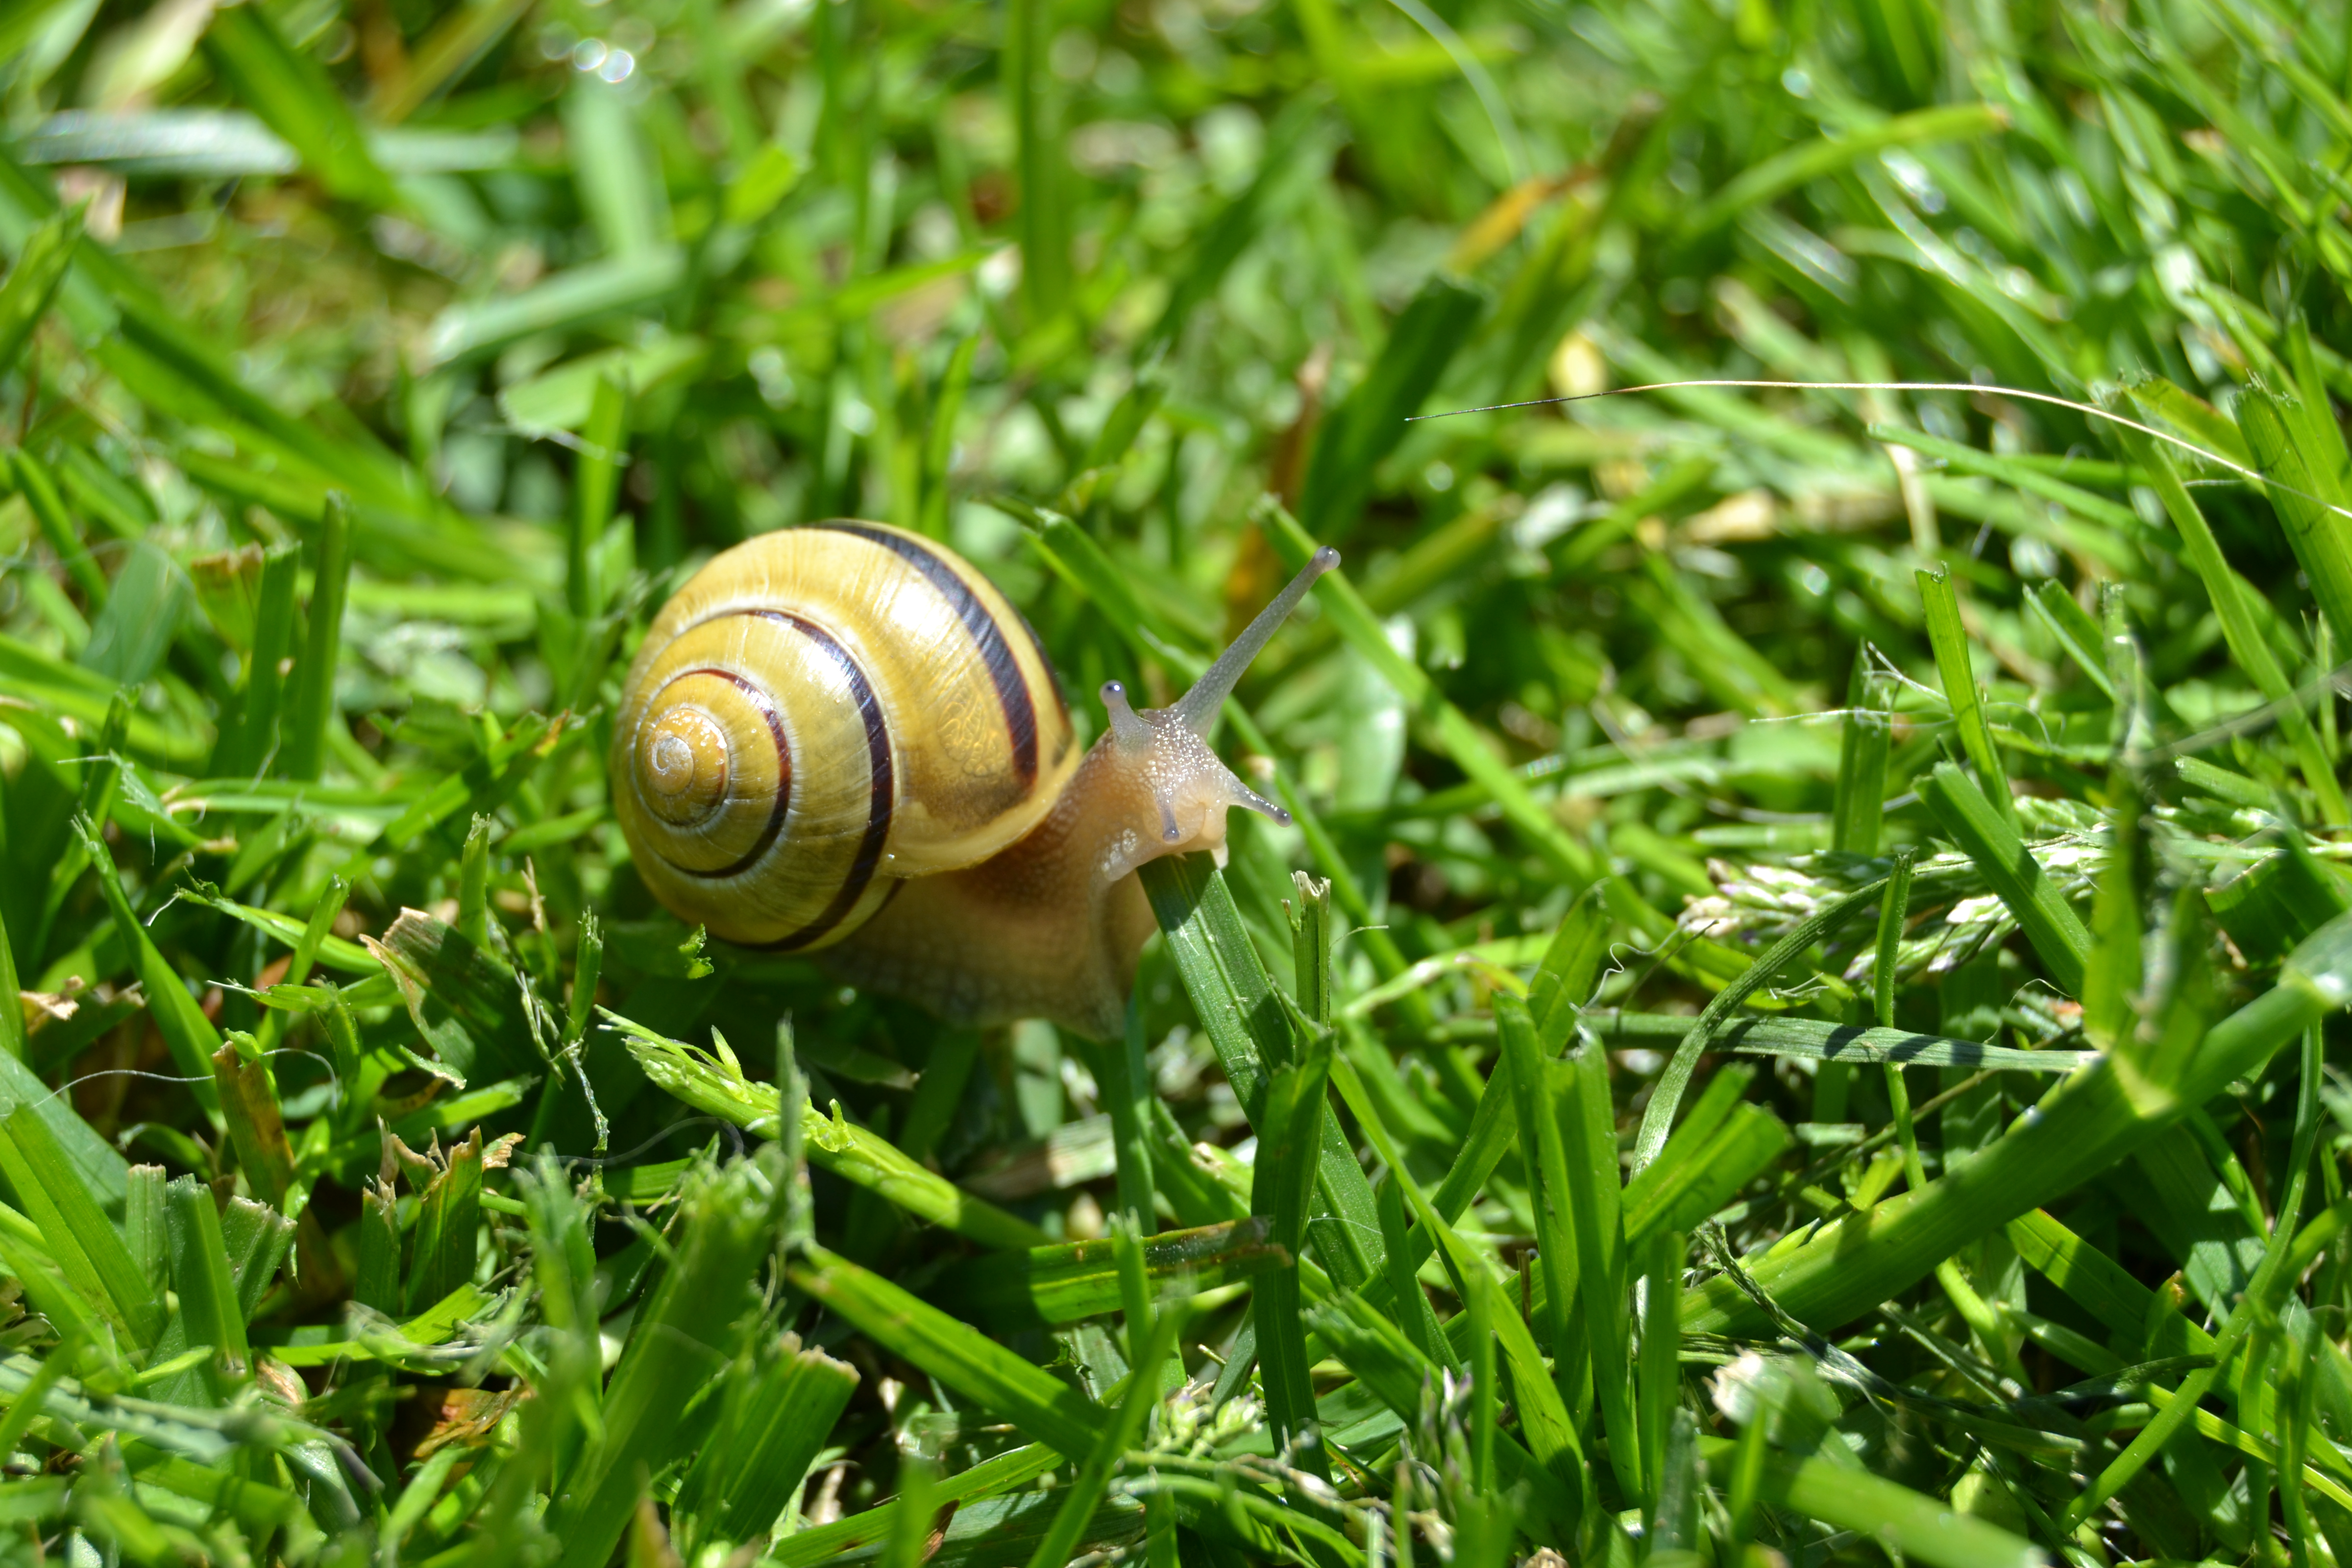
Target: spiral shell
point(821, 713)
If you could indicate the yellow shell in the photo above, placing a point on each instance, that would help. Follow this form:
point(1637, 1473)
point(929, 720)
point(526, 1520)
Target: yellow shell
point(821, 713)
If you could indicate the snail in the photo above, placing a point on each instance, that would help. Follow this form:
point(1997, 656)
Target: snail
point(842, 738)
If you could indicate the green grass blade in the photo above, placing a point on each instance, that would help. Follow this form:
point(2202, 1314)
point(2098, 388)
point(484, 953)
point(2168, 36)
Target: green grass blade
point(1049, 1286)
point(1989, 840)
point(1369, 1343)
point(1546, 1162)
point(294, 97)
point(1950, 641)
point(1920, 1527)
point(1431, 329)
point(190, 1035)
point(775, 1423)
point(1085, 1491)
point(1658, 1118)
point(1285, 1172)
point(604, 454)
point(1819, 1041)
point(717, 1085)
point(1578, 1092)
point(2232, 603)
point(447, 1215)
point(302, 754)
point(1819, 159)
point(74, 1229)
point(1243, 1020)
point(41, 265)
point(1048, 1410)
point(1860, 801)
point(2275, 432)
point(2084, 1125)
point(206, 1288)
point(1361, 631)
point(686, 1334)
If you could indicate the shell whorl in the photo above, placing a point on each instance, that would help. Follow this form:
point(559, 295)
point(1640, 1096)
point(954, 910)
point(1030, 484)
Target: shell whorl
point(821, 713)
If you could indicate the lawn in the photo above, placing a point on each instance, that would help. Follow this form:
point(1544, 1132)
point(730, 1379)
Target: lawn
point(1791, 1019)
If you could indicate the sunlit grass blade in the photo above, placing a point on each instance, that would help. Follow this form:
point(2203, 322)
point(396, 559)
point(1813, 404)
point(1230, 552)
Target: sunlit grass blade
point(2276, 428)
point(1941, 606)
point(2231, 597)
point(1243, 1019)
point(1578, 1090)
point(961, 1357)
point(2084, 1125)
point(1989, 839)
point(687, 1335)
point(718, 1085)
point(1658, 1118)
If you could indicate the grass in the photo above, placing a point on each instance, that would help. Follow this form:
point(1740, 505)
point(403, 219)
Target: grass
point(1795, 1022)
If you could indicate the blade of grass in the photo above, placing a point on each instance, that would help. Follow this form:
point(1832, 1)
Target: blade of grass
point(41, 265)
point(1924, 1528)
point(1658, 1119)
point(2277, 434)
point(1434, 326)
point(1054, 1286)
point(1860, 802)
point(74, 1228)
point(2230, 595)
point(1239, 1010)
point(1950, 642)
point(1284, 1181)
point(1460, 739)
point(1827, 156)
point(1817, 1040)
point(1041, 1405)
point(1579, 1095)
point(775, 1424)
point(718, 1085)
point(303, 752)
point(206, 1290)
point(2084, 1125)
point(1110, 1446)
point(190, 1035)
point(1989, 840)
point(685, 1336)
point(293, 95)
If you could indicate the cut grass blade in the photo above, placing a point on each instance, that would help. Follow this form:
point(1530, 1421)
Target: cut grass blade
point(294, 97)
point(1285, 1175)
point(1577, 1089)
point(1049, 1286)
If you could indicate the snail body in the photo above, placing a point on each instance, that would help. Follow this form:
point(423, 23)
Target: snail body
point(842, 738)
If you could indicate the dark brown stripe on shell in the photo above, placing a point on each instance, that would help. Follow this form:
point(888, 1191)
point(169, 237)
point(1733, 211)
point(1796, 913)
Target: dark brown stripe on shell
point(767, 708)
point(1013, 694)
point(880, 801)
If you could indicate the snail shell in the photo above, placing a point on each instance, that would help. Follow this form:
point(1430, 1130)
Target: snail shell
point(822, 713)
